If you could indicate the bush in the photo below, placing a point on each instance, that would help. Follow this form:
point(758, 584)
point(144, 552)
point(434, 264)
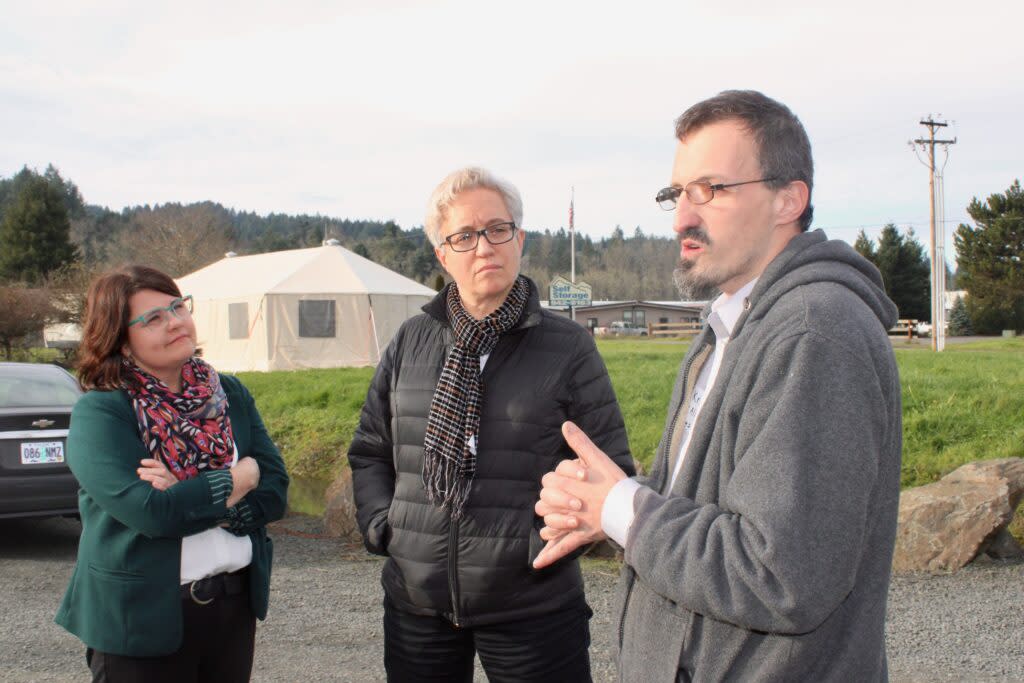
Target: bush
point(959, 320)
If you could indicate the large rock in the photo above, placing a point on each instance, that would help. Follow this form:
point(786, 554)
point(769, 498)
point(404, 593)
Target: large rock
point(340, 513)
point(945, 525)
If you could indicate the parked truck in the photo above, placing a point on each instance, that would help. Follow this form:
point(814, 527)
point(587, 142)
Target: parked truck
point(620, 328)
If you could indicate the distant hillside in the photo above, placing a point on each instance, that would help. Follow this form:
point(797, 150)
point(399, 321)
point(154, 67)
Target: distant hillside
point(180, 238)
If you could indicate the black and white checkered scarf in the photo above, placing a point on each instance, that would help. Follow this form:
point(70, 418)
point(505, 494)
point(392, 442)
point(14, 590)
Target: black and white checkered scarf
point(448, 464)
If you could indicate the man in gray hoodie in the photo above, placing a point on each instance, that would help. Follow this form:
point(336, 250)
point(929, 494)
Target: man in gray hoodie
point(759, 548)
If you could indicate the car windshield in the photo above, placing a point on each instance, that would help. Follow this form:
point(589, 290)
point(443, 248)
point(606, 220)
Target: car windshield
point(25, 386)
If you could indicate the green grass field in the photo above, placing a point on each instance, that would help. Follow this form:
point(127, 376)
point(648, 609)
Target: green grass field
point(311, 414)
point(643, 372)
point(964, 404)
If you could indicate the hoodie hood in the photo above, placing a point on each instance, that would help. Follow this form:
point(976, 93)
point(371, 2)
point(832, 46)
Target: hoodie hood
point(811, 257)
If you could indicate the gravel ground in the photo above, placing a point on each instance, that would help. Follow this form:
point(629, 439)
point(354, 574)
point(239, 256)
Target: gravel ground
point(325, 614)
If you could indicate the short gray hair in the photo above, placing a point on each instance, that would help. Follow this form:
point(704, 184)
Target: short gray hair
point(469, 178)
point(784, 150)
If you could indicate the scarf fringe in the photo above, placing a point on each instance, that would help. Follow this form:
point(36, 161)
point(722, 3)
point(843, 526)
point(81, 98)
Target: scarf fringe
point(441, 479)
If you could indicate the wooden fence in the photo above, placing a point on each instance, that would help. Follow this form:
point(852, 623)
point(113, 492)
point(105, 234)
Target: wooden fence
point(904, 327)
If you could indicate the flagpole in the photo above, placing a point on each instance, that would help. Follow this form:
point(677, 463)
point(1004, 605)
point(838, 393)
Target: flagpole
point(572, 246)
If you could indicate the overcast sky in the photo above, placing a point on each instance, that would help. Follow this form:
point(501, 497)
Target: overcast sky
point(357, 109)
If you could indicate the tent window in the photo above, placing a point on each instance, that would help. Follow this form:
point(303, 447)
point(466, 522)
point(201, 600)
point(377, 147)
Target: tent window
point(238, 321)
point(316, 318)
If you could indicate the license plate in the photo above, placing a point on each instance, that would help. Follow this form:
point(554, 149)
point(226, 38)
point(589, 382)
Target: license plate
point(42, 453)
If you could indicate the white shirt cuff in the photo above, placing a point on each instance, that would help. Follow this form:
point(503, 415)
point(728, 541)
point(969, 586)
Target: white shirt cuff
point(617, 513)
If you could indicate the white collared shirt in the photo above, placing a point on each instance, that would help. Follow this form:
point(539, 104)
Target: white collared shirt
point(617, 513)
point(472, 440)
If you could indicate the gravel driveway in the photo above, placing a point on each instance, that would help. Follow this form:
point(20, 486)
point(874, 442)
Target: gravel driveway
point(325, 613)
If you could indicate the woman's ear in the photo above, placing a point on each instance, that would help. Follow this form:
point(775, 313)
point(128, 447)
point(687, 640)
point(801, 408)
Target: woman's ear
point(442, 258)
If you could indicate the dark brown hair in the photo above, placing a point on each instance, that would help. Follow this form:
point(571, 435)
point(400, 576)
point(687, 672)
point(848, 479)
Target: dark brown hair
point(783, 148)
point(105, 330)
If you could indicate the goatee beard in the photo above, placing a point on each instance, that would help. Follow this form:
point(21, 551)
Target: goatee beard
point(692, 286)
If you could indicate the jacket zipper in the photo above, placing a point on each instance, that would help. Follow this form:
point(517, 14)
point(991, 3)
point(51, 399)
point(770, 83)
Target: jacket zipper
point(453, 580)
point(453, 529)
point(661, 456)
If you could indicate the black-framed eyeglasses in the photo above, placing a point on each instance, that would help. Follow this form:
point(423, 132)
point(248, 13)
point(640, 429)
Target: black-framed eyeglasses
point(698, 192)
point(180, 308)
point(498, 233)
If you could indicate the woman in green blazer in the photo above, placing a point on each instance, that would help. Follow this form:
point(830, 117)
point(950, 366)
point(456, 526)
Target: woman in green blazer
point(178, 482)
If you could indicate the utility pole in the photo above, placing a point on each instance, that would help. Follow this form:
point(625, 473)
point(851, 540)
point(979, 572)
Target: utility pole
point(938, 256)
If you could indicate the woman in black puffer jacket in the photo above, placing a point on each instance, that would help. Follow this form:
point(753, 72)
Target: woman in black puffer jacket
point(461, 421)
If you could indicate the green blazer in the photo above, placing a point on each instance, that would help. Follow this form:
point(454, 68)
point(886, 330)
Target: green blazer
point(124, 595)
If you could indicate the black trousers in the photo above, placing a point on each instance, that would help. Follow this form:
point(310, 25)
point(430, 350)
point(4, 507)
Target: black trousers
point(217, 647)
point(553, 647)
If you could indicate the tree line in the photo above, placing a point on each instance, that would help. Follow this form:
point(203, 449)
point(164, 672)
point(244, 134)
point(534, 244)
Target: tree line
point(53, 241)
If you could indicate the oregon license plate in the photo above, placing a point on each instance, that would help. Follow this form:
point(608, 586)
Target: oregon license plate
point(42, 453)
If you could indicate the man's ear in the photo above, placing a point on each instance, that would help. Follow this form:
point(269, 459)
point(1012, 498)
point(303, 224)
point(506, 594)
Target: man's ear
point(790, 202)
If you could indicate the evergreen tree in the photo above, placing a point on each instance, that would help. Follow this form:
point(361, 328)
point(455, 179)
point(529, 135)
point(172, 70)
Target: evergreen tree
point(68, 190)
point(959, 320)
point(990, 261)
point(35, 230)
point(905, 270)
point(865, 247)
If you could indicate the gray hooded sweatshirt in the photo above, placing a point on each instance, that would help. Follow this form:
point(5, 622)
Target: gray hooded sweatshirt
point(769, 558)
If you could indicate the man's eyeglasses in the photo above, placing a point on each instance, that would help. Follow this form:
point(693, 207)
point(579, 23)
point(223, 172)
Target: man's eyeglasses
point(499, 233)
point(180, 308)
point(697, 192)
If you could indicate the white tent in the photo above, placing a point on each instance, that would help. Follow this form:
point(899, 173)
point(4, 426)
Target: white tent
point(304, 308)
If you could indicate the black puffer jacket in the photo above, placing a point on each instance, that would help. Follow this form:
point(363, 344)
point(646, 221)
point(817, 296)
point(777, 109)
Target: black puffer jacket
point(478, 570)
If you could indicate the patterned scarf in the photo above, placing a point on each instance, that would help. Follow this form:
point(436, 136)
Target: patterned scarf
point(189, 432)
point(454, 420)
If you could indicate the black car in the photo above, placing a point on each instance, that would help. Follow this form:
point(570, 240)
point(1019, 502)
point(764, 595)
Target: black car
point(35, 411)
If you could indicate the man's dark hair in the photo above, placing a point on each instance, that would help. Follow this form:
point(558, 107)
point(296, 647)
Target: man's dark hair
point(784, 151)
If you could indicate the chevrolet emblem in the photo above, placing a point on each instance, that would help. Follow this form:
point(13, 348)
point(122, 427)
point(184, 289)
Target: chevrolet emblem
point(43, 423)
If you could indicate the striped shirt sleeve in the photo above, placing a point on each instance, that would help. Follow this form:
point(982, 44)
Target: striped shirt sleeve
point(221, 486)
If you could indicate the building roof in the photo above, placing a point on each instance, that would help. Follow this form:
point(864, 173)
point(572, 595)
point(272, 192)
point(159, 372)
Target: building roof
point(598, 304)
point(328, 269)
